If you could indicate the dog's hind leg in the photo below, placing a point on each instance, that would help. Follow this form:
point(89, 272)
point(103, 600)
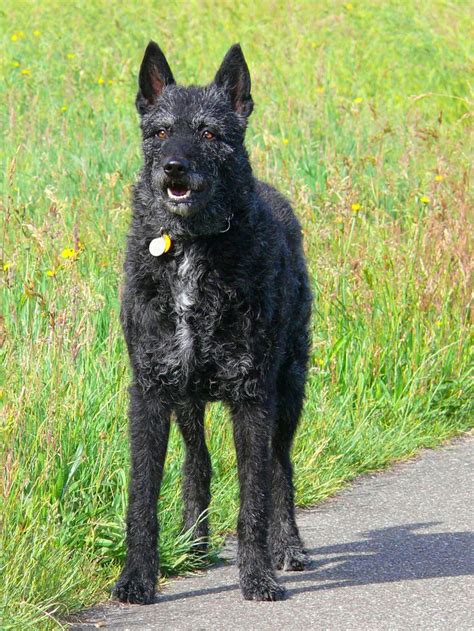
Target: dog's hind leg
point(196, 472)
point(253, 426)
point(285, 543)
point(149, 429)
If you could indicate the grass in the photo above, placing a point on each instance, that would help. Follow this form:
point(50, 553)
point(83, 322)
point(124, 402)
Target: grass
point(362, 118)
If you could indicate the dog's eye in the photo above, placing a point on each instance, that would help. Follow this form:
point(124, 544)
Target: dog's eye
point(208, 135)
point(161, 133)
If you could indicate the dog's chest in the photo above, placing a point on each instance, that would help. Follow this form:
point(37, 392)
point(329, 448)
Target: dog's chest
point(201, 341)
point(197, 301)
point(186, 297)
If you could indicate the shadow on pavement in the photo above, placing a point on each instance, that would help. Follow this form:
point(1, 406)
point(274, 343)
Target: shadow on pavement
point(385, 555)
point(398, 553)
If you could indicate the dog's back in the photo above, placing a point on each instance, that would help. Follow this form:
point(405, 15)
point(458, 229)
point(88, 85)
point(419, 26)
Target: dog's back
point(280, 208)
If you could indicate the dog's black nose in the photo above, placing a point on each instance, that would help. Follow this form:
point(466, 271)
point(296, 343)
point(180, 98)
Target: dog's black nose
point(175, 167)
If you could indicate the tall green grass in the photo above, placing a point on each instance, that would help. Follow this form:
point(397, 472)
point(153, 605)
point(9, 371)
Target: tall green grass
point(362, 119)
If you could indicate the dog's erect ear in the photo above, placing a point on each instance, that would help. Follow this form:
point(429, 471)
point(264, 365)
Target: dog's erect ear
point(155, 75)
point(235, 77)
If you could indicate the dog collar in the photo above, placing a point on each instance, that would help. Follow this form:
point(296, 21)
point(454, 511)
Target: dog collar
point(162, 244)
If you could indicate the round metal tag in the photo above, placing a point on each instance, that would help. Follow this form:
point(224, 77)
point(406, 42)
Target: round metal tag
point(160, 245)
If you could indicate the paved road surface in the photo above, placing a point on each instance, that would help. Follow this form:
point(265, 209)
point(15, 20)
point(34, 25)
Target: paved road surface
point(393, 551)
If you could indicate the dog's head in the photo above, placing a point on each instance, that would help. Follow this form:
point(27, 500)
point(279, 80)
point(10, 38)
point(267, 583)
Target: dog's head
point(193, 138)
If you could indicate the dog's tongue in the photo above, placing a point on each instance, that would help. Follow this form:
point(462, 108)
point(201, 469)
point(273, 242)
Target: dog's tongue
point(178, 190)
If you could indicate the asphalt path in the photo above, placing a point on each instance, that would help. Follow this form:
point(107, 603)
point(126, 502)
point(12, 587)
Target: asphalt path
point(392, 551)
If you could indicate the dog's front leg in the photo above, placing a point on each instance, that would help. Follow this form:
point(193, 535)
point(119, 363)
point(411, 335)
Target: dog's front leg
point(196, 472)
point(149, 429)
point(253, 423)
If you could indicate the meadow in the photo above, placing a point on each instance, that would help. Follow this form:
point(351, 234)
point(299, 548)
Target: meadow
point(363, 119)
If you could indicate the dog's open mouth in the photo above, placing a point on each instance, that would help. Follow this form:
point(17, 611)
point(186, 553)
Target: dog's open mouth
point(179, 193)
point(184, 196)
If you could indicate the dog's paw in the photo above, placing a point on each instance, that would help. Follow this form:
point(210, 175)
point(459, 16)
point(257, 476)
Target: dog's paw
point(261, 587)
point(289, 558)
point(295, 560)
point(134, 588)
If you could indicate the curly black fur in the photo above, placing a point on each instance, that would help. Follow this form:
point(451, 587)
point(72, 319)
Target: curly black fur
point(223, 315)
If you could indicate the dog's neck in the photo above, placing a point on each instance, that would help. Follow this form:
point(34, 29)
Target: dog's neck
point(152, 219)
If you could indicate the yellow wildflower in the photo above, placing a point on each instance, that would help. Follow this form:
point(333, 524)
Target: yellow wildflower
point(358, 99)
point(355, 208)
point(26, 72)
point(50, 273)
point(16, 64)
point(321, 362)
point(64, 108)
point(424, 199)
point(285, 141)
point(6, 266)
point(36, 33)
point(439, 323)
point(70, 55)
point(320, 89)
point(439, 178)
point(100, 81)
point(68, 253)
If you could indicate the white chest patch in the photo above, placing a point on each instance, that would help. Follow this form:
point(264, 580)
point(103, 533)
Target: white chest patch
point(184, 300)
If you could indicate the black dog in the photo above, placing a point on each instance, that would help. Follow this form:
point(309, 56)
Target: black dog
point(216, 306)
